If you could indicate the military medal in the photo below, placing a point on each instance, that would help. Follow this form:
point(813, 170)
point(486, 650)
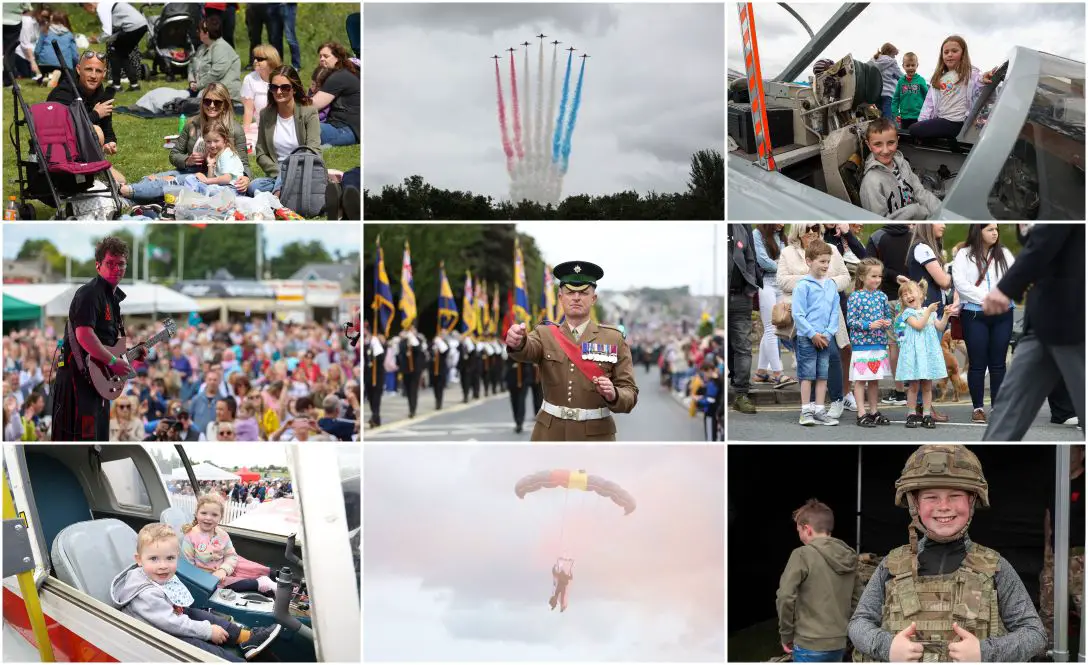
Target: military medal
point(585, 351)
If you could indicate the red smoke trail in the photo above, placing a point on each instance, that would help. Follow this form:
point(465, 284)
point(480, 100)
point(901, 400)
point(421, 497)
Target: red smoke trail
point(502, 122)
point(517, 115)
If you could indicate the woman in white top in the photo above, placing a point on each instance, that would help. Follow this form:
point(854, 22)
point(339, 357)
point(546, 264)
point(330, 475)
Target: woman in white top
point(976, 269)
point(255, 85)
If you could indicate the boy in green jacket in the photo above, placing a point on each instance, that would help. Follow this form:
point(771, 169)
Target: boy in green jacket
point(910, 93)
point(816, 589)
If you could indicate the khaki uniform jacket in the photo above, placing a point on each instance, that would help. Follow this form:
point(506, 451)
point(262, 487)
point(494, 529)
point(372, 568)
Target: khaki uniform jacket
point(565, 385)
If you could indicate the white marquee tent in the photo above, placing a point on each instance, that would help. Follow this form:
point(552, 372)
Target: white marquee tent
point(203, 471)
point(143, 298)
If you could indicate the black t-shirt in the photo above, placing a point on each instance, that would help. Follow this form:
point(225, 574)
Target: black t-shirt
point(98, 305)
point(346, 108)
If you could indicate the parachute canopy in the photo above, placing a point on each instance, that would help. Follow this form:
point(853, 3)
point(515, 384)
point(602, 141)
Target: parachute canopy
point(575, 480)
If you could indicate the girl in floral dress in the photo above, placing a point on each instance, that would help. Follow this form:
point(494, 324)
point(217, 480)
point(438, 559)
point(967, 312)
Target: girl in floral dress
point(868, 316)
point(207, 546)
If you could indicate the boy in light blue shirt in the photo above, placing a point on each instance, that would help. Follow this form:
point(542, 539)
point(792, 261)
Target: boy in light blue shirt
point(816, 319)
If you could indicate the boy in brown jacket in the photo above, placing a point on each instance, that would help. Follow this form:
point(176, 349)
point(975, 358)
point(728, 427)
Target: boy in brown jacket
point(816, 589)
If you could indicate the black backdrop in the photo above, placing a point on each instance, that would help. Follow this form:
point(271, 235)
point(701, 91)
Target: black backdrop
point(767, 483)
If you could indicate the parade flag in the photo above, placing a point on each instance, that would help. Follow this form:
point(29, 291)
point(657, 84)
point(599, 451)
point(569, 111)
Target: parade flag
point(447, 306)
point(407, 303)
point(547, 295)
point(468, 307)
point(484, 322)
point(383, 293)
point(521, 290)
point(495, 312)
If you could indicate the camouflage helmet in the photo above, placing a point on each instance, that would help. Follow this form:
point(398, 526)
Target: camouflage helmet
point(946, 466)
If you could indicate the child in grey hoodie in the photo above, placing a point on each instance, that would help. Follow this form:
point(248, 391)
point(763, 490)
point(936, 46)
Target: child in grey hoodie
point(889, 187)
point(150, 591)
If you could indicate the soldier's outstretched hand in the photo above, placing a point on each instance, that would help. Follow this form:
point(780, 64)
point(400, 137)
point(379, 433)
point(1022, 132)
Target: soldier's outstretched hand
point(904, 648)
point(966, 649)
point(515, 335)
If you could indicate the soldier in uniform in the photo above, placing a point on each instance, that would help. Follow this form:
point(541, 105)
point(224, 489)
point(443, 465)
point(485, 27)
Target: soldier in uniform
point(942, 597)
point(439, 369)
point(374, 375)
point(519, 376)
point(586, 368)
point(412, 360)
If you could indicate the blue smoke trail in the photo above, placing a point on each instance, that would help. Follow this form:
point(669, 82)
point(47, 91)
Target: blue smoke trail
point(557, 138)
point(573, 117)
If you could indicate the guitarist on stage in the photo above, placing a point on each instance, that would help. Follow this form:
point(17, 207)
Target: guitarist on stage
point(94, 322)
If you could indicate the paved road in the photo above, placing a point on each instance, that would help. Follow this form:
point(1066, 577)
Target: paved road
point(658, 416)
point(779, 423)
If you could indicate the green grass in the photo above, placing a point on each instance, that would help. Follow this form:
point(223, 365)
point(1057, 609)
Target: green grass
point(140, 141)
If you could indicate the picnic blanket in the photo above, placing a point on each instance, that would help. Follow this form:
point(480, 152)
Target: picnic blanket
point(166, 103)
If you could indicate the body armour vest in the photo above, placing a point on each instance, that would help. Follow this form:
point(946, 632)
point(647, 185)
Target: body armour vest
point(967, 596)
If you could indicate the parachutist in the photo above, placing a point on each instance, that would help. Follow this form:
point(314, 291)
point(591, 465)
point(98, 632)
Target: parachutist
point(561, 577)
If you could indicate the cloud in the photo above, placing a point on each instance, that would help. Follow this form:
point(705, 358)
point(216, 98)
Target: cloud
point(445, 522)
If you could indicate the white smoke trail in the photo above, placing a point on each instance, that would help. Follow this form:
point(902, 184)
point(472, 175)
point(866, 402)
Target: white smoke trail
point(552, 184)
point(526, 118)
point(538, 166)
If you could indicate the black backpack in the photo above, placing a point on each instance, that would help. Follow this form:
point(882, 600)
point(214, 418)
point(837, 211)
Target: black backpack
point(304, 182)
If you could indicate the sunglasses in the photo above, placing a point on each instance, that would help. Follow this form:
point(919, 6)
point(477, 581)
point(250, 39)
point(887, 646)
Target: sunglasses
point(87, 55)
point(259, 59)
point(226, 432)
point(213, 103)
point(124, 407)
point(281, 88)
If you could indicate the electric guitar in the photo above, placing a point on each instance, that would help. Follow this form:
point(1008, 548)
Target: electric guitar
point(110, 385)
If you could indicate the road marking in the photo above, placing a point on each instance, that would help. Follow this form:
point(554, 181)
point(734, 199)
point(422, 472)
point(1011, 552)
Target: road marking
point(419, 419)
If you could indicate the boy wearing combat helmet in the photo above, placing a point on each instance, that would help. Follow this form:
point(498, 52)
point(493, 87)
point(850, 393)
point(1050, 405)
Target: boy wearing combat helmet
point(942, 597)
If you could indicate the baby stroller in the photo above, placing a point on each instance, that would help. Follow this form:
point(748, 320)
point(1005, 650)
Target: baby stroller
point(169, 43)
point(64, 157)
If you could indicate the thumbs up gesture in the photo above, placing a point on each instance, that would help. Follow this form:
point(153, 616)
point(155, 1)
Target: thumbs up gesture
point(966, 648)
point(904, 648)
point(515, 336)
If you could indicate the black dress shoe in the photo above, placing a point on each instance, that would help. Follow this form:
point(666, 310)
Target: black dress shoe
point(332, 200)
point(352, 204)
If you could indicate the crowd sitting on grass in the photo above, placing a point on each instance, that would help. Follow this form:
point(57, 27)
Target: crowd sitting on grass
point(280, 115)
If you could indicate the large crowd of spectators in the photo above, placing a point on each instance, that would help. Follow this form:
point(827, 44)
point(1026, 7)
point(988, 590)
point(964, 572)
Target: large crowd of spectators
point(259, 380)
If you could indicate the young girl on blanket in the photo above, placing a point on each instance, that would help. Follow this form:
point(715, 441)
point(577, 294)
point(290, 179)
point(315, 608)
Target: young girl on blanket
point(207, 546)
point(224, 166)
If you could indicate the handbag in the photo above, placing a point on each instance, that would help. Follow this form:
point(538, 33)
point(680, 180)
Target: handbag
point(782, 318)
point(956, 323)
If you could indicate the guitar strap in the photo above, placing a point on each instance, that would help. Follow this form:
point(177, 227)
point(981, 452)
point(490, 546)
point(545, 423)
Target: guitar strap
point(75, 350)
point(574, 354)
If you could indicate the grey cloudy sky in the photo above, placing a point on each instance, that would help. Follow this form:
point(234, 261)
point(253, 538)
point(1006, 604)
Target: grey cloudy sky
point(653, 92)
point(990, 30)
point(637, 254)
point(457, 568)
point(77, 240)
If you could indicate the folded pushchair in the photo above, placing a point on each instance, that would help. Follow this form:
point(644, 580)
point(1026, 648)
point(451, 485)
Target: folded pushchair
point(168, 43)
point(64, 158)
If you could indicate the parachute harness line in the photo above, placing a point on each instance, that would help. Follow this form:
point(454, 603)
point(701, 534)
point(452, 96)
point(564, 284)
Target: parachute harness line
point(563, 521)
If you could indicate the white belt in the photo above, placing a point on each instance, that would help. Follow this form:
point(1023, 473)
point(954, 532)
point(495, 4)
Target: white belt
point(569, 413)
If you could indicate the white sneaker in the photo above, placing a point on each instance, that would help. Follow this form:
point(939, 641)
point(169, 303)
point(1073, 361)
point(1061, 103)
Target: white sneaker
point(824, 418)
point(835, 410)
point(850, 403)
point(1071, 422)
point(806, 417)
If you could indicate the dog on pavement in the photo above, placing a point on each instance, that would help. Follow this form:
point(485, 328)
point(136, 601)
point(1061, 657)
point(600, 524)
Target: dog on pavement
point(952, 386)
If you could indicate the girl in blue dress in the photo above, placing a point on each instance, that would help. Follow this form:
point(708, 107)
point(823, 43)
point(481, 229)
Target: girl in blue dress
point(921, 360)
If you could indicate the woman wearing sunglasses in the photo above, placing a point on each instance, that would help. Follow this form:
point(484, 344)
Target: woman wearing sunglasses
point(289, 121)
point(188, 154)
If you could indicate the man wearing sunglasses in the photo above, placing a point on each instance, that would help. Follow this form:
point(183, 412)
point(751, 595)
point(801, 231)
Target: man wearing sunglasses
point(94, 322)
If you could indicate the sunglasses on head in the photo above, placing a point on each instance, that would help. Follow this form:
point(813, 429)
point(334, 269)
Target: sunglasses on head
point(87, 55)
point(281, 88)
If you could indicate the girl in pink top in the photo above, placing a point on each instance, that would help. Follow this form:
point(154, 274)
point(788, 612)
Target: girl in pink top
point(208, 547)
